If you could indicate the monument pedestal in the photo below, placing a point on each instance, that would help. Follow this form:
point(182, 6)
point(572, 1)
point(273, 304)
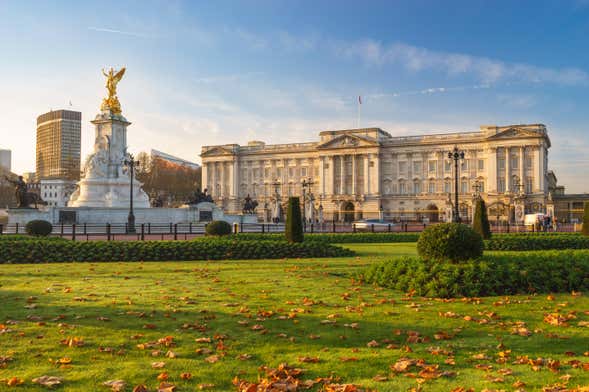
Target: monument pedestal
point(106, 183)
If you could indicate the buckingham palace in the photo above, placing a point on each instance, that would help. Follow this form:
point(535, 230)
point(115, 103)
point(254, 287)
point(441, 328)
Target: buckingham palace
point(367, 173)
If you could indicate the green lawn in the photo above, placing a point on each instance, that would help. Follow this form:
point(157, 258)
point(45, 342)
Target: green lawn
point(275, 311)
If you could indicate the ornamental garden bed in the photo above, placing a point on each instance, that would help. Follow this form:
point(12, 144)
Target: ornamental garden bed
point(43, 250)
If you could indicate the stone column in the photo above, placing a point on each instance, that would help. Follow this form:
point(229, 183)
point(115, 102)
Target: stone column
point(366, 175)
point(492, 172)
point(223, 179)
point(522, 171)
point(331, 175)
point(204, 179)
point(353, 174)
point(376, 176)
point(507, 170)
point(235, 171)
point(541, 169)
point(342, 177)
point(215, 179)
point(322, 175)
point(535, 169)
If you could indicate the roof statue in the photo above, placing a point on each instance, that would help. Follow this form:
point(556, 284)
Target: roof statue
point(112, 79)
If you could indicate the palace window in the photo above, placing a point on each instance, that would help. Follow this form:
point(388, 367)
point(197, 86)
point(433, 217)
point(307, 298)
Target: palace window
point(528, 162)
point(402, 167)
point(447, 166)
point(501, 184)
point(447, 187)
point(514, 162)
point(464, 165)
point(417, 187)
point(417, 167)
point(402, 189)
point(464, 186)
point(501, 163)
point(481, 164)
point(529, 185)
point(431, 167)
point(303, 172)
point(432, 187)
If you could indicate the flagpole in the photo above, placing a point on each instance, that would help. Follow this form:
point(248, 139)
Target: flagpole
point(359, 111)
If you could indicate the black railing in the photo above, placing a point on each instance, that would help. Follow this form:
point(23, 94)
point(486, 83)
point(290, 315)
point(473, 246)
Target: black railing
point(179, 231)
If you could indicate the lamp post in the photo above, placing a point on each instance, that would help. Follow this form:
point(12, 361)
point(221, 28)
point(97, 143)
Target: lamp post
point(307, 183)
point(130, 163)
point(456, 155)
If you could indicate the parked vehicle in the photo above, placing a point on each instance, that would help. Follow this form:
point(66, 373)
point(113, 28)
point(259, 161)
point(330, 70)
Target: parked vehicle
point(367, 224)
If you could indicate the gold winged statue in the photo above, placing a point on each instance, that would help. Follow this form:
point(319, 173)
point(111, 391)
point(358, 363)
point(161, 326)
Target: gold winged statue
point(112, 79)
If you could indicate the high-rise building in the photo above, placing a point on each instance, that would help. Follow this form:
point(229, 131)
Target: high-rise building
point(58, 145)
point(6, 159)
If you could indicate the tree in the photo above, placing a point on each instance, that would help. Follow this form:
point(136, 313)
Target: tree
point(294, 221)
point(169, 180)
point(480, 222)
point(586, 220)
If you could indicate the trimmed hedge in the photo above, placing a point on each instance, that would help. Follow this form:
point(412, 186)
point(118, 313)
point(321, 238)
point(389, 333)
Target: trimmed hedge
point(23, 237)
point(335, 238)
point(537, 241)
point(513, 241)
point(450, 242)
point(41, 251)
point(507, 274)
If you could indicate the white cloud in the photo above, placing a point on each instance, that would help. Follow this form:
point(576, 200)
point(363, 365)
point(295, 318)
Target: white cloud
point(414, 58)
point(488, 70)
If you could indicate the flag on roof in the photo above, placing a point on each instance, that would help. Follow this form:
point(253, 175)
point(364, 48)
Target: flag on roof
point(360, 99)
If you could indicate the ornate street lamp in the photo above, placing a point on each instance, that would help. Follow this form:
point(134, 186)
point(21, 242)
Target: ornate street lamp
point(456, 155)
point(130, 163)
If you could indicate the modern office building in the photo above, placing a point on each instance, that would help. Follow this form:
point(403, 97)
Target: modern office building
point(367, 173)
point(58, 145)
point(6, 159)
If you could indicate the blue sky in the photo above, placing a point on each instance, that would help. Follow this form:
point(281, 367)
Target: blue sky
point(202, 73)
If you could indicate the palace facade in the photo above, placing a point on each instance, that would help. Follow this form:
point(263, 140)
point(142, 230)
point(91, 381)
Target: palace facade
point(367, 173)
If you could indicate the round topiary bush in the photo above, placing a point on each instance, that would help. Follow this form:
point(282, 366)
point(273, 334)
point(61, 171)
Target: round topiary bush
point(218, 228)
point(450, 242)
point(40, 228)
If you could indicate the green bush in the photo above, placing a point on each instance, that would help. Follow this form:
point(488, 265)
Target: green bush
point(449, 242)
point(40, 228)
point(586, 220)
point(42, 251)
point(218, 228)
point(480, 223)
point(505, 274)
point(294, 223)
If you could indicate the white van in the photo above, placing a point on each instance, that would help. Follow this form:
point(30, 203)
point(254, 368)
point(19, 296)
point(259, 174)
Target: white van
point(532, 219)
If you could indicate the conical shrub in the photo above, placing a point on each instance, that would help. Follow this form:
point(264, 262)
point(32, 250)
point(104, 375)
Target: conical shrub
point(294, 221)
point(480, 223)
point(586, 220)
